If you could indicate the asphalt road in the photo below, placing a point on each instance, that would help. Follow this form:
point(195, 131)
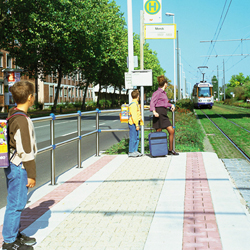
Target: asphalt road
point(66, 156)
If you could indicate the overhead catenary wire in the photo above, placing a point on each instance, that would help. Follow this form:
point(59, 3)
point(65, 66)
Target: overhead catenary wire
point(216, 34)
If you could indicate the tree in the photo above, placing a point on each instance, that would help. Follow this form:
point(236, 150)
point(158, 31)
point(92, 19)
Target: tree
point(215, 87)
point(106, 40)
point(246, 88)
point(150, 62)
point(238, 80)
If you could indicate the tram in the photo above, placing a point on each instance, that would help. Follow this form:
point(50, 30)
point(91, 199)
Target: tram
point(202, 95)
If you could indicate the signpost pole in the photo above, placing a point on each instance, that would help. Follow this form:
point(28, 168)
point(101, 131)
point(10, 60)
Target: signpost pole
point(130, 43)
point(142, 67)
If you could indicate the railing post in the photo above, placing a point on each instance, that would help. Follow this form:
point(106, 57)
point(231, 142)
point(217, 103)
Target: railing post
point(173, 120)
point(79, 161)
point(52, 143)
point(98, 131)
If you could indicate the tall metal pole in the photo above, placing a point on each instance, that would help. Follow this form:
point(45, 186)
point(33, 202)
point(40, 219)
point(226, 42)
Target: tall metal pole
point(52, 154)
point(79, 161)
point(218, 82)
point(142, 67)
point(130, 43)
point(224, 80)
point(172, 14)
point(178, 67)
point(97, 133)
point(174, 69)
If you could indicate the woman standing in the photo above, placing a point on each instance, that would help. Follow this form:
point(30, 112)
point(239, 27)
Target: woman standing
point(158, 105)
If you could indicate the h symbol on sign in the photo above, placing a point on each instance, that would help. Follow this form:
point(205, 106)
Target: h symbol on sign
point(152, 5)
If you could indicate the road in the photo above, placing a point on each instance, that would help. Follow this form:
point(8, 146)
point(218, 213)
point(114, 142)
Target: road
point(66, 156)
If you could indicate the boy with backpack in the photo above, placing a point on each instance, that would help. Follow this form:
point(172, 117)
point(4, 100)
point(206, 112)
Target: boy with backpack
point(21, 172)
point(134, 121)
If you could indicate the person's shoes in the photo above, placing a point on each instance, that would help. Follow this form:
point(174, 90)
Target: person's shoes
point(139, 154)
point(133, 154)
point(172, 153)
point(24, 239)
point(16, 245)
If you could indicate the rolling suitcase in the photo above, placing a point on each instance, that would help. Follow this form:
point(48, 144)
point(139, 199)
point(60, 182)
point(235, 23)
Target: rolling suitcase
point(158, 144)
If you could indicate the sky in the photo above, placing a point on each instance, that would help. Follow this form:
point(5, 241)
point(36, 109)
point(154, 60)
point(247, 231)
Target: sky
point(202, 20)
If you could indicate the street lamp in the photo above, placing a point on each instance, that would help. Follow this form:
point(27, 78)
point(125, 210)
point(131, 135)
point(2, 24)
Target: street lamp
point(172, 14)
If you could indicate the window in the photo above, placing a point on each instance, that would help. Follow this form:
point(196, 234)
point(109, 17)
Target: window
point(1, 60)
point(8, 59)
point(1, 88)
point(65, 92)
point(204, 92)
point(51, 90)
point(60, 92)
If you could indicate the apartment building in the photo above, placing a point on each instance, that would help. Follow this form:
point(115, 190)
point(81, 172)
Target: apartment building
point(69, 91)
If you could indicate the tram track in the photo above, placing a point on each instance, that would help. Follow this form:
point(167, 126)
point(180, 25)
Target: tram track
point(247, 157)
point(231, 122)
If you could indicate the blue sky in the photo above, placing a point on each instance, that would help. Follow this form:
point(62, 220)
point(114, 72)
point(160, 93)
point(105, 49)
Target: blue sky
point(198, 20)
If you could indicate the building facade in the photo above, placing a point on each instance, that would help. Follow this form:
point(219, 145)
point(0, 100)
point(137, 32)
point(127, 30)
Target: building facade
point(69, 91)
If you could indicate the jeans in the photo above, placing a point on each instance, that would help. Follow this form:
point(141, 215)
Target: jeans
point(16, 178)
point(133, 138)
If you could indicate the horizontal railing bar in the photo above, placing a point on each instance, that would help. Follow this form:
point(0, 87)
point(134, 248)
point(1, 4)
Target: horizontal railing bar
point(67, 141)
point(110, 110)
point(149, 128)
point(41, 119)
point(120, 129)
point(42, 150)
point(57, 117)
point(88, 112)
point(115, 130)
point(90, 133)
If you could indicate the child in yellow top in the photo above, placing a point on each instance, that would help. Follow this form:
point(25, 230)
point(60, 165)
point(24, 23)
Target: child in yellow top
point(135, 120)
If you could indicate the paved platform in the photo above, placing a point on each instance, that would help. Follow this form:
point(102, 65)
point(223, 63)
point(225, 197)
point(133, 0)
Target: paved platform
point(115, 202)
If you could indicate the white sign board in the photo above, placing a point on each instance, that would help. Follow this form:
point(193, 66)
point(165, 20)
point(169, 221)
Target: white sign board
point(128, 81)
point(142, 77)
point(152, 11)
point(160, 31)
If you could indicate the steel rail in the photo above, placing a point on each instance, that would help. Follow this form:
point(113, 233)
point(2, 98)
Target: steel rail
point(232, 142)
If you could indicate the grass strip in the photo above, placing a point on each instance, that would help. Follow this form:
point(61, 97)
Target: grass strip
point(188, 137)
point(222, 147)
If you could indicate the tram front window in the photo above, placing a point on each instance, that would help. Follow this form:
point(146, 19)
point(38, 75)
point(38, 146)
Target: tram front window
point(204, 92)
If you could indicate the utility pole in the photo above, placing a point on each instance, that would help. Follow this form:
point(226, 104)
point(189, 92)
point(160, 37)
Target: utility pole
point(224, 81)
point(178, 67)
point(218, 82)
point(130, 43)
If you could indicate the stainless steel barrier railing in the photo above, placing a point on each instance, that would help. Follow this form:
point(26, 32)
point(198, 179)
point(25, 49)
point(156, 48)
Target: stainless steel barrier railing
point(79, 136)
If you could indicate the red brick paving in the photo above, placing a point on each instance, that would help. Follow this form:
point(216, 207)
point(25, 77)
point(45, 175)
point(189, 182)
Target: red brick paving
point(200, 229)
point(36, 210)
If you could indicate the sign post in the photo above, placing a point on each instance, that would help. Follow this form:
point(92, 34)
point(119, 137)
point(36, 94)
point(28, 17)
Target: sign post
point(153, 11)
point(130, 43)
point(160, 31)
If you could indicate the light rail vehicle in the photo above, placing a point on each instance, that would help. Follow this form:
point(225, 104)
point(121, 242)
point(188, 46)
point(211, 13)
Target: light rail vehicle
point(202, 95)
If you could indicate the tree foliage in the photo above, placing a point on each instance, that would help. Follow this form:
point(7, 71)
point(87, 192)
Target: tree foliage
point(65, 37)
point(239, 87)
point(150, 62)
point(215, 86)
point(238, 80)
